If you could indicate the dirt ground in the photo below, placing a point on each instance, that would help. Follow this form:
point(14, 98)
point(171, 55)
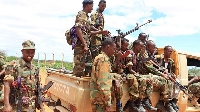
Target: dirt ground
point(43, 76)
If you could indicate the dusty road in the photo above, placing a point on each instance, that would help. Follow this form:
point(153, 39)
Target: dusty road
point(43, 75)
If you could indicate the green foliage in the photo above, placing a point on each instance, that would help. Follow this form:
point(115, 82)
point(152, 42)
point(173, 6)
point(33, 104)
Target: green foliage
point(56, 65)
point(194, 71)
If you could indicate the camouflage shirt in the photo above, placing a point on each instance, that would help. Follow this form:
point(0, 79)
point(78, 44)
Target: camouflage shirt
point(2, 63)
point(97, 20)
point(101, 80)
point(27, 72)
point(144, 66)
point(169, 65)
point(82, 20)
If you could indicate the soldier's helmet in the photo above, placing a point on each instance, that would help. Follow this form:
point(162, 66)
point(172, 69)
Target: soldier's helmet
point(28, 44)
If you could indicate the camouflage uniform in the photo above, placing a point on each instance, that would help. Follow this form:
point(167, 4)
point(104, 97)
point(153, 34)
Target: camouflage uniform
point(101, 83)
point(144, 67)
point(19, 68)
point(97, 20)
point(2, 65)
point(171, 69)
point(132, 79)
point(82, 20)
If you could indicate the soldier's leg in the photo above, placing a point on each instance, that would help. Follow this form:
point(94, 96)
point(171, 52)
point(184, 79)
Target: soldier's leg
point(164, 86)
point(1, 96)
point(133, 93)
point(148, 92)
point(98, 108)
point(79, 61)
point(118, 90)
point(173, 95)
point(142, 92)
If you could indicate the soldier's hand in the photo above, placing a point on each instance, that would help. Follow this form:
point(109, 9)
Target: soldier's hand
point(105, 32)
point(107, 108)
point(165, 76)
point(7, 108)
point(149, 81)
point(196, 78)
point(85, 49)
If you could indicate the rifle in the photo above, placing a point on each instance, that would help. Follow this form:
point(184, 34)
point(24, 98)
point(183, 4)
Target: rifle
point(181, 87)
point(41, 90)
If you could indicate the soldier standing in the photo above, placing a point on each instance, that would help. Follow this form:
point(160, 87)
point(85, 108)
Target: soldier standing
point(161, 82)
point(81, 43)
point(20, 76)
point(97, 23)
point(2, 70)
point(101, 79)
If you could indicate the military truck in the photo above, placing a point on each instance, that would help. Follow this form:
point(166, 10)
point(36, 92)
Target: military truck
point(70, 93)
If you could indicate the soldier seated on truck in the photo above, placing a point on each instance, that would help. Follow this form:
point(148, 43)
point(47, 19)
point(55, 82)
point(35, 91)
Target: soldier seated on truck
point(167, 63)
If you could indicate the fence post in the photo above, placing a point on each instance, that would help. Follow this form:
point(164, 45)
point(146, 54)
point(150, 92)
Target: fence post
point(62, 60)
point(45, 59)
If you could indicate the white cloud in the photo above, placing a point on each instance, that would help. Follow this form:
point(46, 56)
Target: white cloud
point(46, 21)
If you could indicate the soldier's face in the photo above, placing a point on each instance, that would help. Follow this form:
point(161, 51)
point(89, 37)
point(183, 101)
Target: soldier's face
point(152, 48)
point(102, 6)
point(125, 46)
point(140, 47)
point(168, 52)
point(90, 8)
point(111, 49)
point(142, 38)
point(28, 54)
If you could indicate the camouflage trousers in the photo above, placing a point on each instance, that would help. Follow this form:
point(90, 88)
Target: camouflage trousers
point(117, 87)
point(145, 88)
point(95, 51)
point(164, 86)
point(98, 108)
point(79, 61)
point(133, 87)
point(195, 89)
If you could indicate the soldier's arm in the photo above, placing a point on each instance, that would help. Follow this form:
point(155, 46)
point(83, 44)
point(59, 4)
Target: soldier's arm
point(104, 81)
point(78, 26)
point(93, 21)
point(149, 66)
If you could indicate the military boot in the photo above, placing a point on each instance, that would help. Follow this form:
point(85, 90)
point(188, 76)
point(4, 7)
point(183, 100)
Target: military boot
point(173, 104)
point(147, 104)
point(160, 105)
point(119, 107)
point(133, 107)
point(140, 105)
point(127, 105)
point(168, 107)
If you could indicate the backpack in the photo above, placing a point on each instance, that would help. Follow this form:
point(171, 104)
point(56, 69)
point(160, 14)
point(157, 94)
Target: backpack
point(68, 37)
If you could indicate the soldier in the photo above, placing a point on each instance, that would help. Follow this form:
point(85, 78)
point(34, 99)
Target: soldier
point(143, 37)
point(2, 70)
point(97, 23)
point(144, 67)
point(193, 87)
point(101, 79)
point(21, 72)
point(129, 73)
point(161, 82)
point(81, 42)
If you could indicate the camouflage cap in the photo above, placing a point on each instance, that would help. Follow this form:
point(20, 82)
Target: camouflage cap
point(28, 44)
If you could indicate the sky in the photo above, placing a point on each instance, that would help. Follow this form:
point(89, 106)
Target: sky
point(174, 22)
